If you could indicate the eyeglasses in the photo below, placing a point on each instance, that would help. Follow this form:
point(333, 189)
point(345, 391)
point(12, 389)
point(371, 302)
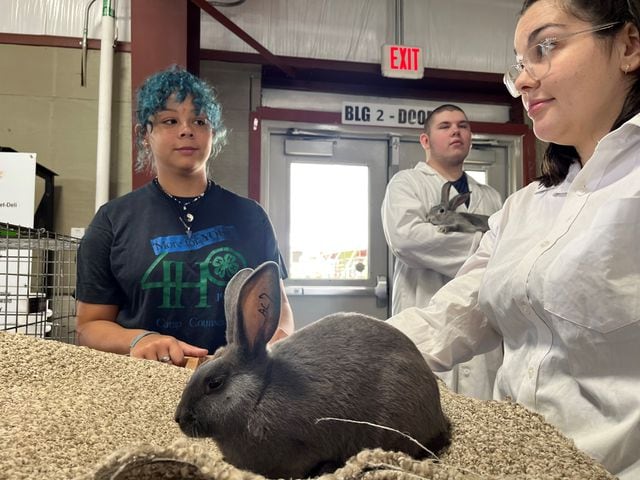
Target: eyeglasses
point(537, 59)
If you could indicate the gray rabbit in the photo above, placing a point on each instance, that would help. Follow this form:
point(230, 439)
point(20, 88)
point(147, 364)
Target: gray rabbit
point(262, 405)
point(445, 217)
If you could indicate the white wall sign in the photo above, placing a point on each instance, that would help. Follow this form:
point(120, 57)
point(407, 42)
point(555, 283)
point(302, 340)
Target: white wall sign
point(17, 188)
point(379, 114)
point(334, 102)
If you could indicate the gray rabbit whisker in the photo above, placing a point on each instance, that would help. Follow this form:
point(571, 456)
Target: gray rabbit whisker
point(383, 427)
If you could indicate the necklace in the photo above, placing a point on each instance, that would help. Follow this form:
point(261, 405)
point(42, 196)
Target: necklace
point(183, 203)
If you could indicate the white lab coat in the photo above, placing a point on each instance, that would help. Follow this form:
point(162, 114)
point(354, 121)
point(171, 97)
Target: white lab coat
point(427, 259)
point(557, 280)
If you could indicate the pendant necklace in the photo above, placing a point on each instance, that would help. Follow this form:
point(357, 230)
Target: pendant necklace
point(183, 204)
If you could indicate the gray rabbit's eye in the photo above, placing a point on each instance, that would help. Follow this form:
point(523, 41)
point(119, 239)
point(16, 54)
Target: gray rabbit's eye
point(214, 384)
point(441, 210)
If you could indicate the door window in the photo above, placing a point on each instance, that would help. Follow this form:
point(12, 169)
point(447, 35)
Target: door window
point(324, 195)
point(479, 176)
point(329, 221)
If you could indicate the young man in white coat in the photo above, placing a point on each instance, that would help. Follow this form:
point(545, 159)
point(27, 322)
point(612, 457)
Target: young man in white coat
point(426, 259)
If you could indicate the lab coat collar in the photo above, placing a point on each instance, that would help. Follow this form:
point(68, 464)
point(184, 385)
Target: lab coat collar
point(477, 195)
point(563, 187)
point(429, 170)
point(612, 140)
point(425, 168)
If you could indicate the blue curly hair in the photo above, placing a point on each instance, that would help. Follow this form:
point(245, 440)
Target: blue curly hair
point(152, 97)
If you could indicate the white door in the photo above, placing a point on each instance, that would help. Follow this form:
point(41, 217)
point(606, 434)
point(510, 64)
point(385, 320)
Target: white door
point(324, 198)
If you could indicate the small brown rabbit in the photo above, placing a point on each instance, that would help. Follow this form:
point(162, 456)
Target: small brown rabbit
point(445, 217)
point(263, 406)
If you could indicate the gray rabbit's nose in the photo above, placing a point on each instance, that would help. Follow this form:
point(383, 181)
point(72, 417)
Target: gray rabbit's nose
point(180, 414)
point(184, 417)
point(188, 424)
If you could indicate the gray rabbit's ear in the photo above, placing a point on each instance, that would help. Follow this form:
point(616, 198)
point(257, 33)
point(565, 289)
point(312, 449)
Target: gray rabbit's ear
point(444, 193)
point(259, 308)
point(231, 293)
point(458, 200)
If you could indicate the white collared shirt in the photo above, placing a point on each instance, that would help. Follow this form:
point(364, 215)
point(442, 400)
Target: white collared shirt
point(557, 278)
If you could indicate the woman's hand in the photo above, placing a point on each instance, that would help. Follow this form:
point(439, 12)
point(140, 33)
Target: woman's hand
point(166, 349)
point(97, 328)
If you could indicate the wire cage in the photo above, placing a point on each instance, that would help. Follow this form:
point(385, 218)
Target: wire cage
point(37, 282)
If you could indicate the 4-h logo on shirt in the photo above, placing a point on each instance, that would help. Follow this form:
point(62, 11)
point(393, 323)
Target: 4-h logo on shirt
point(217, 268)
point(224, 263)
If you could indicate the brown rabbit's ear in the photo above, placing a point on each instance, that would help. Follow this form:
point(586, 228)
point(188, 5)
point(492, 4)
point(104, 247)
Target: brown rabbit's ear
point(444, 193)
point(458, 200)
point(259, 308)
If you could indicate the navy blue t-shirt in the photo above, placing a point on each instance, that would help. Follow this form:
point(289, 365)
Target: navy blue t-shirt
point(462, 186)
point(137, 254)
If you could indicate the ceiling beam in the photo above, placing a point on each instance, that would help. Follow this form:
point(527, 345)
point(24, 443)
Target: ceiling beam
point(239, 32)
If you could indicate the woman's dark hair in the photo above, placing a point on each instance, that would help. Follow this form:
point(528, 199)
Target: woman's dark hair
point(558, 158)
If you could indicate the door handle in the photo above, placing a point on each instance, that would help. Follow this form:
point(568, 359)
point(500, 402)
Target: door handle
point(381, 291)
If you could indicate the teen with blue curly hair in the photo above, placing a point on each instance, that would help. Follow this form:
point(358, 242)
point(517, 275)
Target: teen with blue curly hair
point(180, 84)
point(153, 264)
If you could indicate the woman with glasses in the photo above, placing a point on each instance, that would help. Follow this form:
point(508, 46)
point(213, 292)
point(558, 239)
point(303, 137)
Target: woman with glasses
point(556, 279)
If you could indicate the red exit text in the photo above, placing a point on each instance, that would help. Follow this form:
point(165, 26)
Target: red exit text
point(404, 58)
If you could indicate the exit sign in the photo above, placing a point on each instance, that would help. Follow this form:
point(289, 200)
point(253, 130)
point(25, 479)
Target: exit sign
point(402, 61)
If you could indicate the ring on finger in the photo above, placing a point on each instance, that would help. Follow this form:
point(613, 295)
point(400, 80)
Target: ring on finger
point(165, 359)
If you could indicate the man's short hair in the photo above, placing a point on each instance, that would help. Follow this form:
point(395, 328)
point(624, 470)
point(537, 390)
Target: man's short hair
point(449, 107)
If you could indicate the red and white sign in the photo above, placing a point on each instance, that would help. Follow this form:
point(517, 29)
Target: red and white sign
point(402, 61)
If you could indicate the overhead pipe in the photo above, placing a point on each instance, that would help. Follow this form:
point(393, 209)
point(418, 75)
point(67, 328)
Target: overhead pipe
point(399, 24)
point(105, 93)
point(83, 44)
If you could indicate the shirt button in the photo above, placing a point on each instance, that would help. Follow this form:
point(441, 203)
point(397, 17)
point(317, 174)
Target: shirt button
point(545, 244)
point(581, 190)
point(531, 372)
point(466, 371)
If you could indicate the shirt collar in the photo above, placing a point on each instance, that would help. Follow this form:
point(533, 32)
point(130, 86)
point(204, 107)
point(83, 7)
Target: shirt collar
point(562, 188)
point(429, 170)
point(614, 140)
